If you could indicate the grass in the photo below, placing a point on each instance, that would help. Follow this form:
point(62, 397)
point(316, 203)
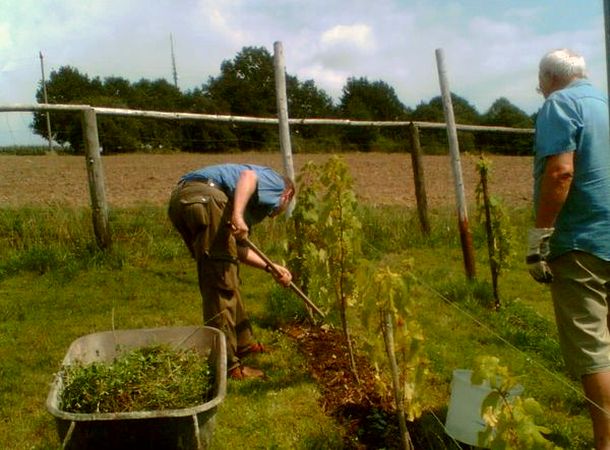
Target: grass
point(55, 286)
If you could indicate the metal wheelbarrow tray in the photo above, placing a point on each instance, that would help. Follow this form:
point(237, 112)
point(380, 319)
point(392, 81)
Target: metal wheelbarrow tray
point(187, 428)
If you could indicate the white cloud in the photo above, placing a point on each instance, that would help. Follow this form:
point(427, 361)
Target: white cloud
point(359, 36)
point(221, 20)
point(340, 53)
point(332, 81)
point(5, 36)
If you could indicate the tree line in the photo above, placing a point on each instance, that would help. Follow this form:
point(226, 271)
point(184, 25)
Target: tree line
point(246, 87)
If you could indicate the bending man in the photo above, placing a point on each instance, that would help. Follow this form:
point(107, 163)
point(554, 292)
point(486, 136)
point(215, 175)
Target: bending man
point(213, 208)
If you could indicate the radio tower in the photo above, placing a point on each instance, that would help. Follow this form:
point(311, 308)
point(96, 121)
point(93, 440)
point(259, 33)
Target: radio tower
point(171, 42)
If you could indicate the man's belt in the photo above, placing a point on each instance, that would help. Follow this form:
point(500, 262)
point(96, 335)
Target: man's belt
point(207, 181)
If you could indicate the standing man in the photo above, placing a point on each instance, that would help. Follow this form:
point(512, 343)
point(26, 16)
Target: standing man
point(213, 209)
point(570, 244)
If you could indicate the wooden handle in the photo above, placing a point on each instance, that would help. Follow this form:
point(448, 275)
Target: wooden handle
point(271, 267)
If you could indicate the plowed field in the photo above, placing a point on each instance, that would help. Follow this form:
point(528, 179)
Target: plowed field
point(134, 179)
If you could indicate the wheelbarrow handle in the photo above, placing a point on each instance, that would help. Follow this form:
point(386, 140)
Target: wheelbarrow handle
point(276, 273)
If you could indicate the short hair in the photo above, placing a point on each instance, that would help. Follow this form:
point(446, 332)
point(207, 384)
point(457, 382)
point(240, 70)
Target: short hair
point(562, 64)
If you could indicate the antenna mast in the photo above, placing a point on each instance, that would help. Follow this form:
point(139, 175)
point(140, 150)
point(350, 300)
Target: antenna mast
point(44, 93)
point(171, 42)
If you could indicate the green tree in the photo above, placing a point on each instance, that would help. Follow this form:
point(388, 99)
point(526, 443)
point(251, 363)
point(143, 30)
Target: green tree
point(205, 136)
point(305, 100)
point(66, 86)
point(365, 100)
point(157, 95)
point(117, 134)
point(463, 111)
point(504, 113)
point(118, 88)
point(435, 141)
point(246, 86)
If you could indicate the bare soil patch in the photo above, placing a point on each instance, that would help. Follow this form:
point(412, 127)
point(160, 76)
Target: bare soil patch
point(135, 179)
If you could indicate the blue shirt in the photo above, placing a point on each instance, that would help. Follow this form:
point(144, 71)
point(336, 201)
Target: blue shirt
point(576, 119)
point(265, 200)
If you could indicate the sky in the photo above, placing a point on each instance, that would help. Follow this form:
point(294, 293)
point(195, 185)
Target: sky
point(491, 48)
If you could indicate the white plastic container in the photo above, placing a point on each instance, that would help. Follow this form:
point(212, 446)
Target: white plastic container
point(464, 421)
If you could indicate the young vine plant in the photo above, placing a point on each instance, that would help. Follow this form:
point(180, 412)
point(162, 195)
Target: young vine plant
point(510, 419)
point(394, 340)
point(498, 229)
point(326, 239)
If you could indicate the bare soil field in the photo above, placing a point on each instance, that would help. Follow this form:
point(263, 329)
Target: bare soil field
point(136, 179)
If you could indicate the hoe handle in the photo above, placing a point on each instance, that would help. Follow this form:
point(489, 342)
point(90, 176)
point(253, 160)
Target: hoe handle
point(275, 272)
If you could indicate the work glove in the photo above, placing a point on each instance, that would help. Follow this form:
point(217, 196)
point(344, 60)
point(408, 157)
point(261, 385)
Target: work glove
point(537, 252)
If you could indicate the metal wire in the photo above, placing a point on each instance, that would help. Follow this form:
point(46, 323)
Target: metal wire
point(527, 358)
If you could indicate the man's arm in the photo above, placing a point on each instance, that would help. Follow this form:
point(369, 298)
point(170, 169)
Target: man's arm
point(249, 257)
point(245, 188)
point(554, 187)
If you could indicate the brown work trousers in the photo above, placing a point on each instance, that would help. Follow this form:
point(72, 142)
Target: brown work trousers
point(201, 213)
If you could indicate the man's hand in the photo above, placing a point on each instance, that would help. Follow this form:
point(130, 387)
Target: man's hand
point(244, 190)
point(537, 252)
point(239, 228)
point(281, 274)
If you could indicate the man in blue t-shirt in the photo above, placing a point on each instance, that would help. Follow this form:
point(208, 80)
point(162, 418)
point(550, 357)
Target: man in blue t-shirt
point(213, 209)
point(570, 244)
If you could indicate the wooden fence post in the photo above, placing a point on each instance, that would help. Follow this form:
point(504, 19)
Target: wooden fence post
point(465, 236)
point(282, 111)
point(494, 265)
point(95, 175)
point(419, 179)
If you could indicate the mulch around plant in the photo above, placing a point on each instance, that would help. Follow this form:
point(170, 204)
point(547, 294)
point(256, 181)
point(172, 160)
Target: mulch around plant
point(368, 417)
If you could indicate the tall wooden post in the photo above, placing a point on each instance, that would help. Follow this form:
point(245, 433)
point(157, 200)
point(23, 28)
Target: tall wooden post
point(282, 111)
point(465, 236)
point(418, 178)
point(607, 28)
point(95, 174)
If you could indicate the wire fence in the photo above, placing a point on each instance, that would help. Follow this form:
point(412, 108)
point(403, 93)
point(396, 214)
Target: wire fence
point(432, 128)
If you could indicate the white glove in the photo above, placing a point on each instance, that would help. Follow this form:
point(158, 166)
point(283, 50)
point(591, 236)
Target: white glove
point(537, 252)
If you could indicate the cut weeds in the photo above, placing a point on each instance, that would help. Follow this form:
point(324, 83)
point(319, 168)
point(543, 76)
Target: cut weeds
point(148, 378)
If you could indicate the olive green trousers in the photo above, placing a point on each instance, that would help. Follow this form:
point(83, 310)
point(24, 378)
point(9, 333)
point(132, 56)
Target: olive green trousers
point(201, 214)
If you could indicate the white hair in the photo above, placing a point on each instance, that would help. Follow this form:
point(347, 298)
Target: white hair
point(562, 64)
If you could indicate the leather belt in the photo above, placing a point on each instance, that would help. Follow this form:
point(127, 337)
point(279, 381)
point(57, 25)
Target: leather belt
point(207, 181)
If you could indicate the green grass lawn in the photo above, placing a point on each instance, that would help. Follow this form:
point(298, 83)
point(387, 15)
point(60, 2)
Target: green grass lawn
point(55, 287)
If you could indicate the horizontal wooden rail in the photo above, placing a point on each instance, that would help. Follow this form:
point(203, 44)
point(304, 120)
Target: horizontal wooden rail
point(246, 119)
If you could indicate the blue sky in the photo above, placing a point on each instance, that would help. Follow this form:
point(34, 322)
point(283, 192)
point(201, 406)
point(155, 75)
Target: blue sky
point(491, 47)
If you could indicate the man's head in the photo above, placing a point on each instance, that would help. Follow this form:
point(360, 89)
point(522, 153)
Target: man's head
point(286, 197)
point(559, 68)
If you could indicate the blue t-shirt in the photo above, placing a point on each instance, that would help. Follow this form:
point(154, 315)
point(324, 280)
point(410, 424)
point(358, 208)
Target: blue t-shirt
point(269, 188)
point(576, 119)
